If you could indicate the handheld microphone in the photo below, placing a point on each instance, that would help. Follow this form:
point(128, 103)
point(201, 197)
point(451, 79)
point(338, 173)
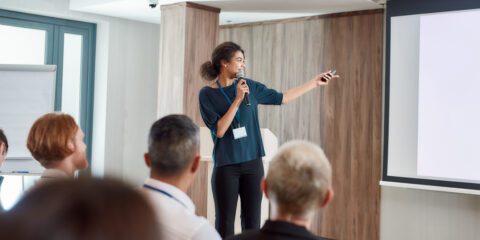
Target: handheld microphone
point(241, 75)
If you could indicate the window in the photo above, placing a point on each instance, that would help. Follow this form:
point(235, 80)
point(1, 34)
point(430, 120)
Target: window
point(33, 39)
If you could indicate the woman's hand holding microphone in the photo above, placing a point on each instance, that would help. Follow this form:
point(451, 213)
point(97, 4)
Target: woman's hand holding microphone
point(242, 89)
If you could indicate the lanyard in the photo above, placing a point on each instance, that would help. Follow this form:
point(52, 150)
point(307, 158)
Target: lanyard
point(164, 193)
point(237, 114)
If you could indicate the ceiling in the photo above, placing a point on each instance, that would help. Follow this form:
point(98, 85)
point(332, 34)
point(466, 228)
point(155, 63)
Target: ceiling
point(232, 11)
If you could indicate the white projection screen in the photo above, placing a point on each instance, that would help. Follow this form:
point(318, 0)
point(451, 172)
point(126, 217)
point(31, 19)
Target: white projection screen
point(432, 119)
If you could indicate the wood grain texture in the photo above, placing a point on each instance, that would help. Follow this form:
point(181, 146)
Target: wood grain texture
point(200, 40)
point(344, 117)
point(198, 189)
point(189, 33)
point(171, 63)
point(353, 129)
point(202, 7)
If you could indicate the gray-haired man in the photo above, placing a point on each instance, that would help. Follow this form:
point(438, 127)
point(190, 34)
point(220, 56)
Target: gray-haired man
point(173, 158)
point(298, 182)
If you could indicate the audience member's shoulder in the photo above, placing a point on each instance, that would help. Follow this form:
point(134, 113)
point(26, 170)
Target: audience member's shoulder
point(257, 235)
point(251, 235)
point(206, 231)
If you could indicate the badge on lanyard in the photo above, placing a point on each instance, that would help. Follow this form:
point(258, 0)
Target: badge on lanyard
point(238, 132)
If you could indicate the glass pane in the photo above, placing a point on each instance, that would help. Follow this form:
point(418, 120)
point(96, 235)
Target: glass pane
point(72, 66)
point(22, 45)
point(19, 46)
point(11, 191)
point(13, 188)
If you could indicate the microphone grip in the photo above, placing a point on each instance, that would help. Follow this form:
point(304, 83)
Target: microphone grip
point(246, 100)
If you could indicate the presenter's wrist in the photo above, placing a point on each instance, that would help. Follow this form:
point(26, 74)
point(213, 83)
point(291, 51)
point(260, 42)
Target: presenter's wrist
point(237, 102)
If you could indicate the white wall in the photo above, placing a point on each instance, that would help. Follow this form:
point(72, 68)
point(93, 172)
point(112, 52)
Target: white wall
point(132, 99)
point(428, 215)
point(126, 73)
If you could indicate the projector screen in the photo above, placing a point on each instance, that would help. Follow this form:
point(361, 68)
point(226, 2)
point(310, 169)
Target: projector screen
point(432, 113)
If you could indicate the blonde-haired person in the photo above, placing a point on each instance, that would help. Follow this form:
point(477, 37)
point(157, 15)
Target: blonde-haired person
point(298, 183)
point(56, 141)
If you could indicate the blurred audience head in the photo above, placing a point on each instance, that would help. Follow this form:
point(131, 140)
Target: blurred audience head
point(298, 180)
point(82, 209)
point(173, 146)
point(55, 139)
point(3, 147)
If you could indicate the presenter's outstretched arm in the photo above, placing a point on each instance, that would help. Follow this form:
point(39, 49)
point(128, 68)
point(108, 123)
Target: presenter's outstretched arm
point(320, 79)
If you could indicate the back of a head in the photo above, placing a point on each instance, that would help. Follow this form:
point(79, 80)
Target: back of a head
point(49, 136)
point(82, 209)
point(173, 142)
point(3, 140)
point(299, 177)
point(3, 151)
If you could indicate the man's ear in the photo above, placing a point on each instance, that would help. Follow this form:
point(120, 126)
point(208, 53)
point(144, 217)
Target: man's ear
point(147, 159)
point(328, 198)
point(264, 186)
point(2, 148)
point(195, 164)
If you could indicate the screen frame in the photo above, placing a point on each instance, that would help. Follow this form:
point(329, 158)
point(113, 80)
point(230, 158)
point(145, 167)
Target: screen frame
point(396, 8)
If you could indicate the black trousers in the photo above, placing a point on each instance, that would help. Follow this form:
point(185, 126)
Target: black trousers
point(227, 183)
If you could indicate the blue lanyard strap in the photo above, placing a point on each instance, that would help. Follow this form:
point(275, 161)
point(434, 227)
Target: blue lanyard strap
point(237, 114)
point(164, 193)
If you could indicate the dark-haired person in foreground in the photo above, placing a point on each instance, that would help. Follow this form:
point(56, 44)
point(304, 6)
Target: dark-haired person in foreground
point(173, 158)
point(238, 147)
point(3, 149)
point(3, 156)
point(81, 209)
point(298, 183)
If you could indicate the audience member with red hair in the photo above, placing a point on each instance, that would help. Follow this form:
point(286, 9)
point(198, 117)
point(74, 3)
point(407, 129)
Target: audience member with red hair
point(56, 141)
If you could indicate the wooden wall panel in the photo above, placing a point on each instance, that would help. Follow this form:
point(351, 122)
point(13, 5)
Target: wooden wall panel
point(344, 117)
point(171, 63)
point(355, 44)
point(189, 34)
point(198, 189)
point(283, 56)
point(200, 40)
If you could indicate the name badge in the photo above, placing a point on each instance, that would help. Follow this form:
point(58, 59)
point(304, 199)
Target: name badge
point(240, 132)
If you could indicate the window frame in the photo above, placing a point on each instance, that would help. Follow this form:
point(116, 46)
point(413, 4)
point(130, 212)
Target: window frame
point(55, 29)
